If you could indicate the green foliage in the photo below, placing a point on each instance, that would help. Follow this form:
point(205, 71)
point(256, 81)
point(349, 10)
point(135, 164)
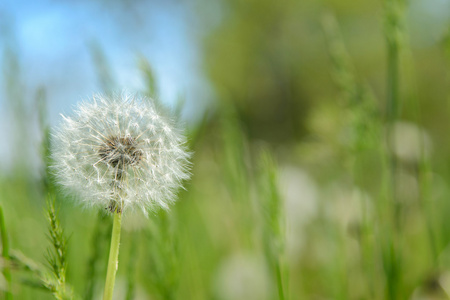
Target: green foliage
point(5, 257)
point(273, 221)
point(56, 257)
point(163, 263)
point(149, 77)
point(341, 203)
point(96, 262)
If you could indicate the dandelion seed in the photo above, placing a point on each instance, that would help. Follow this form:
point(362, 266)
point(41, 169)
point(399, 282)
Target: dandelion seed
point(120, 151)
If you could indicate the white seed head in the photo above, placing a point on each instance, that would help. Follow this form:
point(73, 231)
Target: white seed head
point(120, 152)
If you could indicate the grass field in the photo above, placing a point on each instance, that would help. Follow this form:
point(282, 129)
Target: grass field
point(302, 187)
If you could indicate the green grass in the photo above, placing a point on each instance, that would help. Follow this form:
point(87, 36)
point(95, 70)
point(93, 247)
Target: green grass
point(378, 229)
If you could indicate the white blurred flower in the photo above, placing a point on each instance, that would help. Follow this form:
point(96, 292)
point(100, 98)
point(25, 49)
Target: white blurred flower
point(243, 276)
point(407, 189)
point(300, 194)
point(120, 151)
point(346, 205)
point(301, 205)
point(410, 142)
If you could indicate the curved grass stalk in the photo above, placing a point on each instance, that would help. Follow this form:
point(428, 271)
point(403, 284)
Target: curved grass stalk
point(5, 254)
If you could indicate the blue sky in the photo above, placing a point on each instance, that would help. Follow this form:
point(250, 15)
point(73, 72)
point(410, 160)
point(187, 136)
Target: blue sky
point(53, 42)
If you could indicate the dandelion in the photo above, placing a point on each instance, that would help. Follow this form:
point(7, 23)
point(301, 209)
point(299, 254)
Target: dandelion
point(120, 153)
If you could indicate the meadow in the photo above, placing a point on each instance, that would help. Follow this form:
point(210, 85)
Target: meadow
point(320, 171)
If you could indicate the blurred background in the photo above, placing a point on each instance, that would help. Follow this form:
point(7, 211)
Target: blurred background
point(319, 131)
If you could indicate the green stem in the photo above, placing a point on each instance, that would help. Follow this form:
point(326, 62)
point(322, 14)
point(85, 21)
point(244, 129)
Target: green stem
point(113, 261)
point(132, 269)
point(392, 112)
point(5, 254)
point(393, 263)
point(279, 280)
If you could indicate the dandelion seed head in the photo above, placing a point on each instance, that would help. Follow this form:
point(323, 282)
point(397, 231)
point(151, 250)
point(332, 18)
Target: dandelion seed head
point(120, 152)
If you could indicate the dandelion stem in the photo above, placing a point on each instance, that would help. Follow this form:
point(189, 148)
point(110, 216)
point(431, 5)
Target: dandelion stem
point(113, 261)
point(5, 254)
